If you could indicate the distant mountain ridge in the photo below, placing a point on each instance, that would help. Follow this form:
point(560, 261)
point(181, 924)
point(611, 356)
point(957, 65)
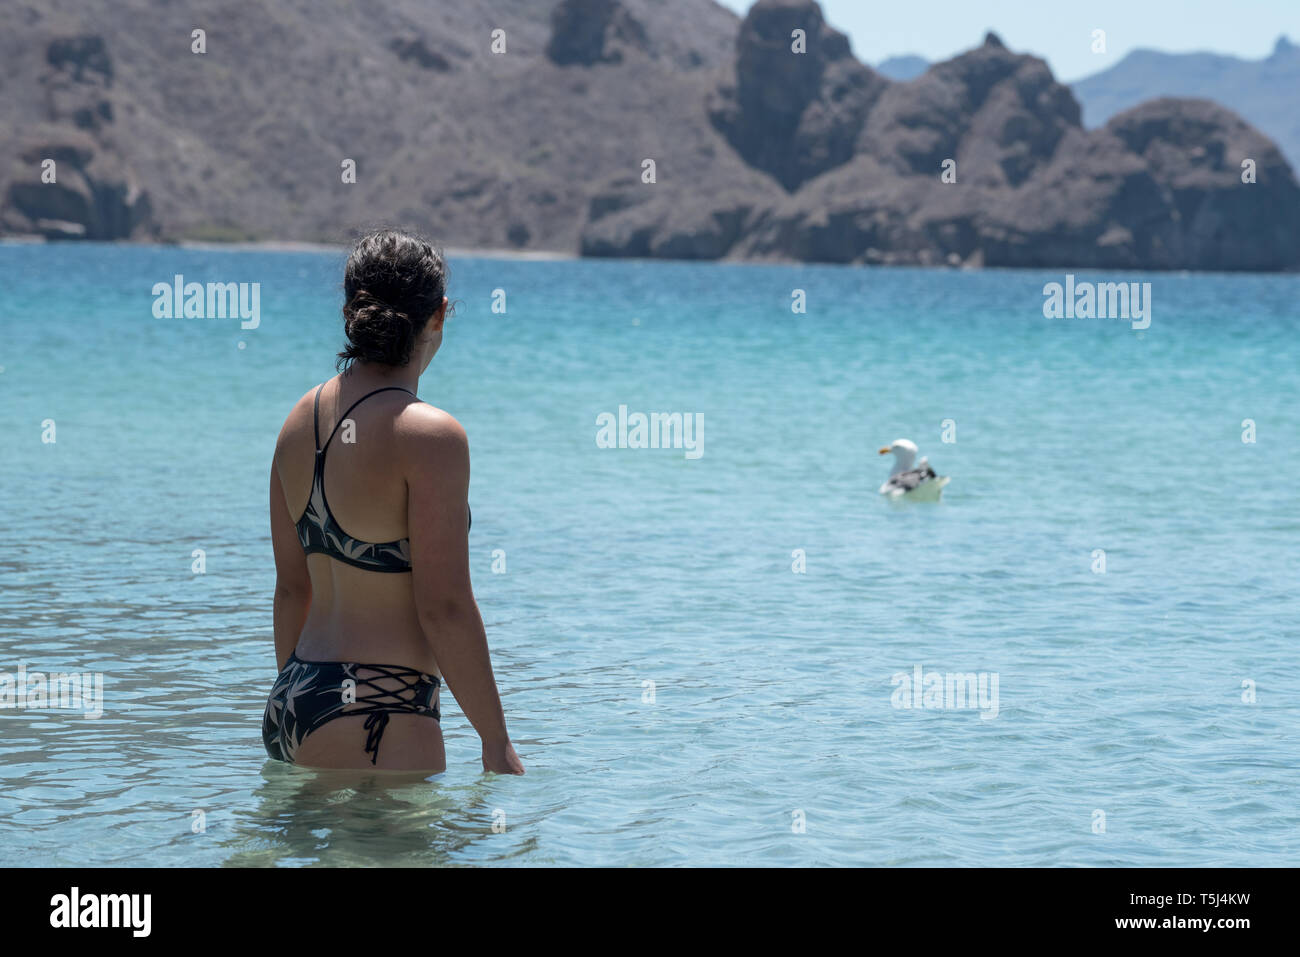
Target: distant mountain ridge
point(903, 68)
point(1265, 93)
point(603, 127)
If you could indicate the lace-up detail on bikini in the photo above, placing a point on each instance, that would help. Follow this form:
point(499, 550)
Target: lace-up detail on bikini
point(308, 694)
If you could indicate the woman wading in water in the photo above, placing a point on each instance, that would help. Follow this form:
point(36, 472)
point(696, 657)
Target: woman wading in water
point(370, 527)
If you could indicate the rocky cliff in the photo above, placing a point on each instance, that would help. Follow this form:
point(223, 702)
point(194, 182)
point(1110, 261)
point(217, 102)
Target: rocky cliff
point(68, 177)
point(982, 160)
point(663, 128)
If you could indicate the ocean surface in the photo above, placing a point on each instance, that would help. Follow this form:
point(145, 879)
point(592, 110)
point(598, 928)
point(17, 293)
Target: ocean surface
point(698, 656)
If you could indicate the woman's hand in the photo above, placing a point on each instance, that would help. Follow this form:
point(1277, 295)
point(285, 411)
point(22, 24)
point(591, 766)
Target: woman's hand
point(501, 758)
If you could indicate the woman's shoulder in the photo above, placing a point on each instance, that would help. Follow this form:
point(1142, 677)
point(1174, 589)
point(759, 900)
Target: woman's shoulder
point(299, 419)
point(431, 438)
point(432, 447)
point(423, 422)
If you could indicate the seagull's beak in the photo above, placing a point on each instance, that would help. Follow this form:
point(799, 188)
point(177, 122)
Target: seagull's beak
point(885, 450)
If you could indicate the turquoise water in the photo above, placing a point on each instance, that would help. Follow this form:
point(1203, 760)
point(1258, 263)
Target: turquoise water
point(1119, 692)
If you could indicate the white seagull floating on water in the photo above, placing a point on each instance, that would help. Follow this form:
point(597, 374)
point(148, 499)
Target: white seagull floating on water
point(918, 483)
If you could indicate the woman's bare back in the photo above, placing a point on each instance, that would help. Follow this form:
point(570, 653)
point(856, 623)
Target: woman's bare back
point(356, 614)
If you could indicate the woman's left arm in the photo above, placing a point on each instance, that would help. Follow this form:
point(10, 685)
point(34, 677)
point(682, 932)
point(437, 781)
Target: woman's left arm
point(292, 582)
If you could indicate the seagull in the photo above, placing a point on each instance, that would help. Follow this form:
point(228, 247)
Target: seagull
point(920, 483)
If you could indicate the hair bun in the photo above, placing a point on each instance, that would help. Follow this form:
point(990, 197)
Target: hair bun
point(394, 282)
point(378, 332)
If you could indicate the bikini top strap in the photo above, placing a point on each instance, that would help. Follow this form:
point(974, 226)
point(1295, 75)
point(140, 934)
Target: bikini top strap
point(315, 416)
point(343, 418)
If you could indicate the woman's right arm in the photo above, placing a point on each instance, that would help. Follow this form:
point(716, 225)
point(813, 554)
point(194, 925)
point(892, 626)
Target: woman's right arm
point(437, 476)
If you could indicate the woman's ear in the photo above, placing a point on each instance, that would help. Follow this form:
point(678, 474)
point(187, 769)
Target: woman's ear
point(439, 316)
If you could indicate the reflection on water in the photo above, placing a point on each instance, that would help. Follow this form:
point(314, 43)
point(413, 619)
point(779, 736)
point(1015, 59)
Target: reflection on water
point(301, 816)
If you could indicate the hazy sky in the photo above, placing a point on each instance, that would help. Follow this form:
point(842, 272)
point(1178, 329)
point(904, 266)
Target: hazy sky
point(1059, 31)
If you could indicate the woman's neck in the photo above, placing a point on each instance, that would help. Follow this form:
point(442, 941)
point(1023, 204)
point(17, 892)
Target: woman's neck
point(379, 376)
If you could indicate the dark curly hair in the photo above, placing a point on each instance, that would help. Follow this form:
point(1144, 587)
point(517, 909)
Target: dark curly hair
point(393, 284)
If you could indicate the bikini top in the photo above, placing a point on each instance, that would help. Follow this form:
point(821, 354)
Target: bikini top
point(319, 530)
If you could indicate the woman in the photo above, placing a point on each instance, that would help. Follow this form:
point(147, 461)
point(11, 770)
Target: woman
point(369, 620)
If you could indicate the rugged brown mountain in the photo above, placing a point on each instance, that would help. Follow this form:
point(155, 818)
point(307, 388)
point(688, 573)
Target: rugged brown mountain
point(759, 151)
point(794, 114)
point(593, 31)
point(247, 140)
point(70, 180)
point(1160, 187)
